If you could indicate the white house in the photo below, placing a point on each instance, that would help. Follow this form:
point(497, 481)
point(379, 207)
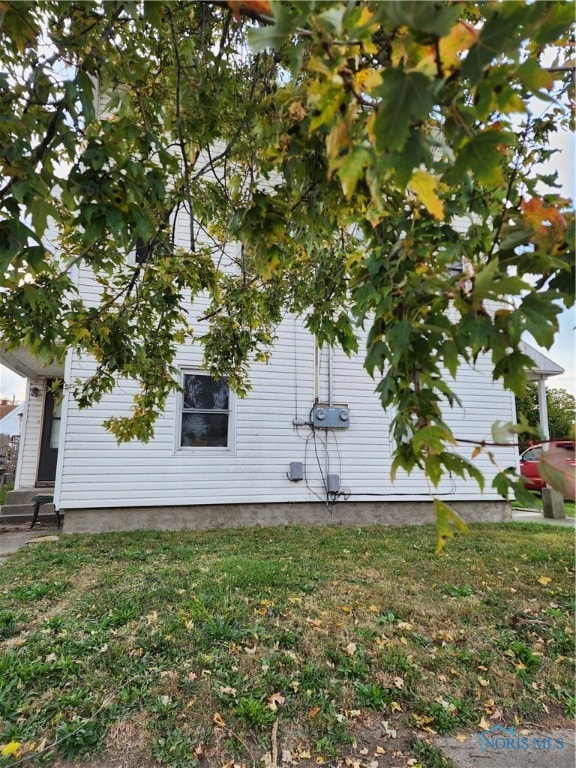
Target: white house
point(310, 443)
point(10, 423)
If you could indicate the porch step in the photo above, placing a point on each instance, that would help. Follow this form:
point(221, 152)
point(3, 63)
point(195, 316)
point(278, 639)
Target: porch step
point(23, 496)
point(19, 507)
point(25, 518)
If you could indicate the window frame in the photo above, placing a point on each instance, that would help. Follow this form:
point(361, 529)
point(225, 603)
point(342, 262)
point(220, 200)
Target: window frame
point(181, 410)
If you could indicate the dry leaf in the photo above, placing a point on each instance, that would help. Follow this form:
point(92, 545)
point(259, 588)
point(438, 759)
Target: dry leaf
point(313, 712)
point(483, 682)
point(351, 649)
point(275, 700)
point(544, 580)
point(218, 720)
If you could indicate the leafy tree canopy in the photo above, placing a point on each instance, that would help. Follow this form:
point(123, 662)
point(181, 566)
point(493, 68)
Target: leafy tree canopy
point(342, 144)
point(561, 406)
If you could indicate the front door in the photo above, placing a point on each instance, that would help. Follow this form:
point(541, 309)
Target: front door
point(49, 439)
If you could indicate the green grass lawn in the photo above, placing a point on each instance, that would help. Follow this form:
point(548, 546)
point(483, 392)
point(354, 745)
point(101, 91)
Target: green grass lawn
point(316, 644)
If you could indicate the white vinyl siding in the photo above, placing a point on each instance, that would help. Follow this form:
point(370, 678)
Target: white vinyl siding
point(29, 448)
point(95, 472)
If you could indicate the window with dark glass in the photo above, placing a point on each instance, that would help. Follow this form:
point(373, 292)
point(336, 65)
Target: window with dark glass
point(205, 412)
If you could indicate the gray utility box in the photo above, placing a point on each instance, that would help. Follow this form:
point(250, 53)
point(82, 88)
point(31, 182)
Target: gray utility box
point(330, 416)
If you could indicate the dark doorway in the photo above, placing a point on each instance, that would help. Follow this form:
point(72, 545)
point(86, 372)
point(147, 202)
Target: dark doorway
point(49, 440)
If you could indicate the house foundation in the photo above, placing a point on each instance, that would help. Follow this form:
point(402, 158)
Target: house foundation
point(207, 517)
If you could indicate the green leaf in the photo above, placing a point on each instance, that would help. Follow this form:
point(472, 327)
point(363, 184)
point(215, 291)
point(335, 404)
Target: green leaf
point(447, 523)
point(484, 156)
point(352, 168)
point(434, 18)
point(405, 97)
point(87, 91)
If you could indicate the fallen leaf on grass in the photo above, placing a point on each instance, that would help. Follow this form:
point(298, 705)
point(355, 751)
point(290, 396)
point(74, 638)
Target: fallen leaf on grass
point(275, 700)
point(218, 720)
point(544, 580)
point(351, 649)
point(11, 749)
point(313, 712)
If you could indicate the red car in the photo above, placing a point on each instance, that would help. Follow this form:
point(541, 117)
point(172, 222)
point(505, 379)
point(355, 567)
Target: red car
point(529, 462)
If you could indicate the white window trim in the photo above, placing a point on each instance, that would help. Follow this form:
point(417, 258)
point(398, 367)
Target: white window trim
point(205, 449)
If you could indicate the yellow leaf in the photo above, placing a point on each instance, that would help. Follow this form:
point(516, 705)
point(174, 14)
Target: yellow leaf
point(367, 79)
point(11, 749)
point(425, 187)
point(395, 707)
point(461, 737)
point(446, 520)
point(483, 682)
point(218, 720)
point(544, 580)
point(483, 724)
point(461, 37)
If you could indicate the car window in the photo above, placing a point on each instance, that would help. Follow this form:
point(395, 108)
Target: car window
point(568, 447)
point(532, 454)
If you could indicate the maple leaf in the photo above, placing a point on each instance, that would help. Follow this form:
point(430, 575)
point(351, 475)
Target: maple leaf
point(253, 6)
point(446, 520)
point(425, 186)
point(460, 38)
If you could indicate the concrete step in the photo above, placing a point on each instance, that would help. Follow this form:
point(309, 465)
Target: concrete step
point(23, 509)
point(26, 518)
point(25, 495)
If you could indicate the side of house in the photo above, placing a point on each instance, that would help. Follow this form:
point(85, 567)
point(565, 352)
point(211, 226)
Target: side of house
point(310, 443)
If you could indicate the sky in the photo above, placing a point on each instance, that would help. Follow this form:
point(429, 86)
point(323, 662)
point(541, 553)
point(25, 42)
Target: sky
point(13, 387)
